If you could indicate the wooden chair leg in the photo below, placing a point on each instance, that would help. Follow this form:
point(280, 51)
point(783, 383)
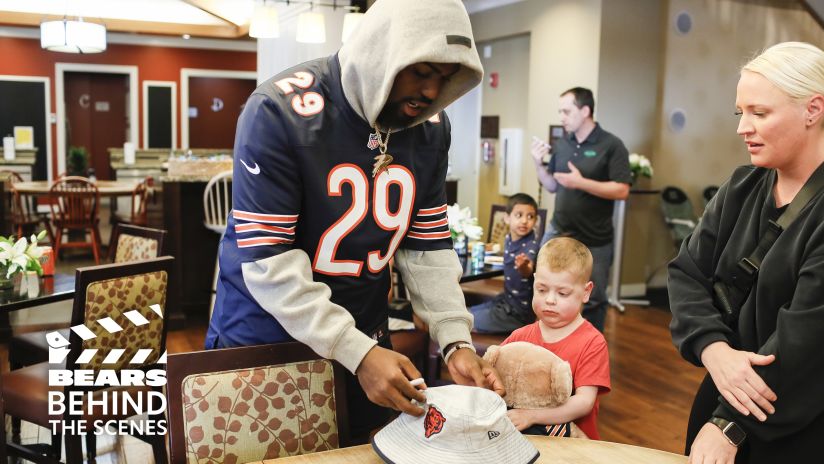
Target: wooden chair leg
point(56, 446)
point(58, 237)
point(91, 448)
point(74, 449)
point(95, 245)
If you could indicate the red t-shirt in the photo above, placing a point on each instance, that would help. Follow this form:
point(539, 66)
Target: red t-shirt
point(585, 350)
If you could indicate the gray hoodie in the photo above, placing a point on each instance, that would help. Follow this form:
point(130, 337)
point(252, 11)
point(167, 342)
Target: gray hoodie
point(397, 33)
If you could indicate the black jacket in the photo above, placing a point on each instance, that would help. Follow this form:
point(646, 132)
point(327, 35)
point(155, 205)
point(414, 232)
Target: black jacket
point(784, 314)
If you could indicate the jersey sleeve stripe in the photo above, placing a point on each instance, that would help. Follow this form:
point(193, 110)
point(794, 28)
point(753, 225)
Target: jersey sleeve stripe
point(262, 241)
point(432, 211)
point(255, 227)
point(429, 235)
point(430, 224)
point(271, 218)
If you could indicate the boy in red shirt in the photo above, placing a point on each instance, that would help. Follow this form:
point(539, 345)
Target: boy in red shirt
point(562, 286)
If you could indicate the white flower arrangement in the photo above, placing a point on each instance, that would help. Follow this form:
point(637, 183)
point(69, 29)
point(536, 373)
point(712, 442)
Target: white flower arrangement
point(21, 255)
point(462, 224)
point(639, 165)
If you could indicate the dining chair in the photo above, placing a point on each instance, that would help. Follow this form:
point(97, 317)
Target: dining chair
point(134, 243)
point(253, 403)
point(24, 216)
point(131, 243)
point(140, 197)
point(134, 297)
point(217, 202)
point(74, 205)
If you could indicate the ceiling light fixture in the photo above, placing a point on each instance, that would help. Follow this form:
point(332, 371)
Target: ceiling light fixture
point(73, 36)
point(264, 23)
point(311, 28)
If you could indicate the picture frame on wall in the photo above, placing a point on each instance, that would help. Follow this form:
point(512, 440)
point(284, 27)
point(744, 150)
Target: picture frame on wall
point(24, 137)
point(556, 133)
point(489, 127)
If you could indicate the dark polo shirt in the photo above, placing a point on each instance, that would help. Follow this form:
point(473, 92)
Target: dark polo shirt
point(601, 157)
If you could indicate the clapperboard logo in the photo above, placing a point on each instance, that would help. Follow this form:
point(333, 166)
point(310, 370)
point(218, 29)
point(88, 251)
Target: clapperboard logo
point(117, 401)
point(59, 345)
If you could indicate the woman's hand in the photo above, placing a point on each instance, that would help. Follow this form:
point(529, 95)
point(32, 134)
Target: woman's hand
point(731, 371)
point(712, 447)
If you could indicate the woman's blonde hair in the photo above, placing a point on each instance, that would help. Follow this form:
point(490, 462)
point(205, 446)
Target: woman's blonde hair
point(566, 254)
point(797, 68)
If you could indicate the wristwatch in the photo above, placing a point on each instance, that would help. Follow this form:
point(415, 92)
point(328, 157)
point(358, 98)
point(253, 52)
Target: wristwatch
point(732, 431)
point(451, 349)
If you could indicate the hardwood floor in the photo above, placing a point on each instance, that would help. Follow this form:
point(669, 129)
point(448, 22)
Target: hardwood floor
point(652, 387)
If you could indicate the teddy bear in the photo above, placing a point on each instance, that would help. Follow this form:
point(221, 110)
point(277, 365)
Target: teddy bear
point(533, 376)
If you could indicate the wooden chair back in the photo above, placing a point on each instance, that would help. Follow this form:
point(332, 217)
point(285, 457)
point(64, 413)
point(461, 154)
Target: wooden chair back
point(135, 243)
point(217, 201)
point(135, 297)
point(253, 403)
point(140, 199)
point(75, 202)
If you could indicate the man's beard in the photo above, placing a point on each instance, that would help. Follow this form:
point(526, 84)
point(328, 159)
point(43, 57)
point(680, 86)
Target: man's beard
point(392, 116)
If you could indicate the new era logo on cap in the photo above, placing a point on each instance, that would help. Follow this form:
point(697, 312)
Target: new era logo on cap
point(461, 425)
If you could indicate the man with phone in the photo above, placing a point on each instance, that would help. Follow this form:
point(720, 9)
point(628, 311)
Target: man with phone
point(588, 171)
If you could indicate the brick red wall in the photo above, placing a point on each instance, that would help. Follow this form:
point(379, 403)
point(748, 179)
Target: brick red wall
point(24, 57)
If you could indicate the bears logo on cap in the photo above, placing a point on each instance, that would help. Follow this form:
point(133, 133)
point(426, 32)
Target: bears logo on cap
point(433, 423)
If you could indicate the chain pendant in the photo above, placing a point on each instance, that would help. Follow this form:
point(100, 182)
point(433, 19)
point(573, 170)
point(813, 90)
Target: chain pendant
point(382, 162)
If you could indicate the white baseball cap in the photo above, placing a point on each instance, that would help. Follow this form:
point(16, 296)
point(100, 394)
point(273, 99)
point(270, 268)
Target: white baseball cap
point(460, 425)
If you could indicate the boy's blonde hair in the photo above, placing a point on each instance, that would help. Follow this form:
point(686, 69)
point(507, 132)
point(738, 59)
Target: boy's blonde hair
point(566, 254)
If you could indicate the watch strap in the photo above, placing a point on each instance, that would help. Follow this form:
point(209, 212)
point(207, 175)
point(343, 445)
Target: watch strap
point(732, 431)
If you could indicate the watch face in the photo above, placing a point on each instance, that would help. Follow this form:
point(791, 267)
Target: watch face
point(734, 433)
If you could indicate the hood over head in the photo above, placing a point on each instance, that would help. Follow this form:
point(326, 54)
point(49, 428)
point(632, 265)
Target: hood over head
point(397, 33)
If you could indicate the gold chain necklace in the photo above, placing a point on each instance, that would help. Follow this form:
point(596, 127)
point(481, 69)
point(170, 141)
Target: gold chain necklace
point(383, 160)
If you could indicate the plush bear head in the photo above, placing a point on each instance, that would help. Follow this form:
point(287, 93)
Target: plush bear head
point(533, 376)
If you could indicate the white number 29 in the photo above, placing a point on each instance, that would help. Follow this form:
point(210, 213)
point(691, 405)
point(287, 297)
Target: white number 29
point(325, 262)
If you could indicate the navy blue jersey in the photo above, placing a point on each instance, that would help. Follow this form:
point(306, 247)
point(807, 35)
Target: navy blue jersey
point(303, 180)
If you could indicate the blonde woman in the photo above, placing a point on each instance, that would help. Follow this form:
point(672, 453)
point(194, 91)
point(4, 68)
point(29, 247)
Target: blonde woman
point(758, 328)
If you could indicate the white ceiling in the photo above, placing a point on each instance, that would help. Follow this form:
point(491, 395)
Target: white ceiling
point(227, 19)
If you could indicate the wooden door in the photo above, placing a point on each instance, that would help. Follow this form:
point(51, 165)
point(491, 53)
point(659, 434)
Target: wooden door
point(97, 115)
point(215, 104)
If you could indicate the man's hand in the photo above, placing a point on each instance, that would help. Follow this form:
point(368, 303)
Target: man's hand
point(521, 418)
point(523, 265)
point(712, 447)
point(384, 375)
point(539, 150)
point(731, 371)
point(571, 179)
point(467, 368)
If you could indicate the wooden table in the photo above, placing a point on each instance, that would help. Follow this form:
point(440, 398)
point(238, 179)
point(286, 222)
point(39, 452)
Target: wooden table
point(553, 450)
point(111, 188)
point(472, 273)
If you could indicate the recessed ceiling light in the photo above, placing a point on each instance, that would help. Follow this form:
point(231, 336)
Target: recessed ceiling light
point(186, 37)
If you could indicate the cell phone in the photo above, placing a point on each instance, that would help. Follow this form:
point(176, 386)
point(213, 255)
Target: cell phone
point(541, 141)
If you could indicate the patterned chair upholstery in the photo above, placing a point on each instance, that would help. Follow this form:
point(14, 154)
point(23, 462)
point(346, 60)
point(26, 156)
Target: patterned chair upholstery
point(246, 404)
point(131, 243)
point(135, 243)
